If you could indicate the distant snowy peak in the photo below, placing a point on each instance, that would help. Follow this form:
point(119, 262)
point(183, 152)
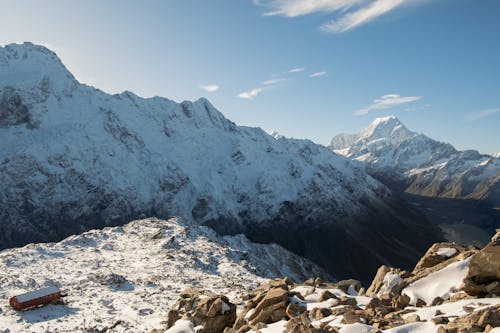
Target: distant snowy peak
point(425, 166)
point(276, 135)
point(389, 128)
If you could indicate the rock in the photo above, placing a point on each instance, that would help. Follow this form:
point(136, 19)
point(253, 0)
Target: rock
point(495, 240)
point(294, 310)
point(350, 318)
point(172, 317)
point(301, 324)
point(484, 271)
point(344, 300)
point(212, 312)
point(412, 319)
point(327, 295)
point(400, 302)
point(377, 281)
point(420, 303)
point(476, 321)
point(345, 284)
point(268, 307)
point(320, 313)
point(432, 261)
point(388, 280)
point(440, 320)
point(437, 301)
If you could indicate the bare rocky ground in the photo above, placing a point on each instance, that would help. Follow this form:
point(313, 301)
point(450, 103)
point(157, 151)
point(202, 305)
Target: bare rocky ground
point(452, 289)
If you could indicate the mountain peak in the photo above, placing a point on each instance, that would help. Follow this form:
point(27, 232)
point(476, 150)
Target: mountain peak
point(25, 65)
point(386, 128)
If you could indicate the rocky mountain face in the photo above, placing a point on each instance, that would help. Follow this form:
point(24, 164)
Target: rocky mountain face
point(74, 158)
point(459, 190)
point(421, 165)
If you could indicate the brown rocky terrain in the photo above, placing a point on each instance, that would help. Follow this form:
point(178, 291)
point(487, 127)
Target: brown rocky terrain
point(452, 289)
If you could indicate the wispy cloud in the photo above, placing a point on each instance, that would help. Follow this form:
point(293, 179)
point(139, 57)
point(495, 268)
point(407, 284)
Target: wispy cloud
point(264, 85)
point(209, 87)
point(349, 13)
point(273, 81)
point(251, 94)
point(362, 15)
point(482, 114)
point(387, 102)
point(296, 70)
point(294, 8)
point(317, 74)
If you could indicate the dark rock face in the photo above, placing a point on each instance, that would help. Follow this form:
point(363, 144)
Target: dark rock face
point(12, 109)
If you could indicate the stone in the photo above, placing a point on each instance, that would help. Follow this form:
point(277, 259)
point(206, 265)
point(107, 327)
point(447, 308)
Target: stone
point(350, 318)
point(345, 284)
point(420, 303)
point(212, 312)
point(327, 295)
point(484, 272)
point(412, 319)
point(476, 321)
point(437, 301)
point(440, 320)
point(344, 300)
point(320, 313)
point(401, 301)
point(294, 310)
point(301, 324)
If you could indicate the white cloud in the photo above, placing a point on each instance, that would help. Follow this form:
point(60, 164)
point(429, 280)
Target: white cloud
point(317, 74)
point(273, 81)
point(349, 13)
point(482, 114)
point(250, 94)
point(362, 15)
point(210, 87)
point(294, 8)
point(296, 70)
point(387, 102)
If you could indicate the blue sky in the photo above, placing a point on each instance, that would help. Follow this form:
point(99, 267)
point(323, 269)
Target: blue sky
point(305, 68)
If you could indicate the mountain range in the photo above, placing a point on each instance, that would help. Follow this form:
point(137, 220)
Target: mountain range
point(454, 187)
point(74, 158)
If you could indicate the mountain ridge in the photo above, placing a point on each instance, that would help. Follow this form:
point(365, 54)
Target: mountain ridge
point(75, 158)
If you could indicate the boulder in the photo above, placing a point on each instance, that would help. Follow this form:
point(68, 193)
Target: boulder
point(484, 271)
point(388, 280)
point(438, 256)
point(212, 312)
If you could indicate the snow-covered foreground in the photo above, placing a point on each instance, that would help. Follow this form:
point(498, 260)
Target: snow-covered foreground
point(130, 275)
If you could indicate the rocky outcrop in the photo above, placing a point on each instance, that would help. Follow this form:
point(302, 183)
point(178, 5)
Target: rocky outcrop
point(212, 312)
point(320, 306)
point(483, 277)
point(478, 321)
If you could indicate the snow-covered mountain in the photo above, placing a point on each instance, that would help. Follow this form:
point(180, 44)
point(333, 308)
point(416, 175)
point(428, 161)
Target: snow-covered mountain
point(73, 158)
point(133, 274)
point(421, 165)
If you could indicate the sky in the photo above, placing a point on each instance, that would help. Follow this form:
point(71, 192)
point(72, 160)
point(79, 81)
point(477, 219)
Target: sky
point(304, 68)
